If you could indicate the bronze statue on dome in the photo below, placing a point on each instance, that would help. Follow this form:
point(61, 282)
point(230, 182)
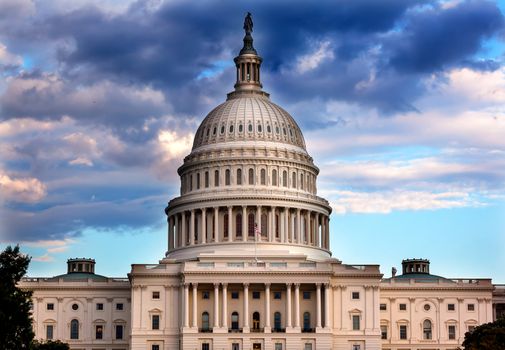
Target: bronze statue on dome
point(248, 23)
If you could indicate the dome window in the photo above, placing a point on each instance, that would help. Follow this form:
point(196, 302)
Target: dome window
point(260, 129)
point(250, 128)
point(277, 130)
point(231, 128)
point(208, 132)
point(214, 131)
point(240, 128)
point(222, 129)
point(290, 132)
point(284, 131)
point(269, 129)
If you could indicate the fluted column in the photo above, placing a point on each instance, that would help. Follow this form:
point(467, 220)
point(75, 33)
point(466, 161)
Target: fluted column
point(282, 227)
point(270, 224)
point(297, 305)
point(225, 306)
point(230, 221)
point(216, 305)
point(246, 306)
point(195, 305)
point(171, 232)
point(183, 230)
point(258, 222)
point(203, 233)
point(327, 305)
point(244, 223)
point(177, 243)
point(267, 307)
point(216, 224)
point(318, 305)
point(327, 233)
point(192, 228)
point(292, 229)
point(299, 226)
point(186, 305)
point(288, 305)
point(308, 231)
point(317, 229)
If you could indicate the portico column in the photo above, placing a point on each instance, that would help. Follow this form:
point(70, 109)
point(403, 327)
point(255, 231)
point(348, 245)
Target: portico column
point(258, 222)
point(281, 218)
point(216, 224)
point(328, 233)
point(244, 223)
point(288, 305)
point(297, 305)
point(225, 306)
point(270, 224)
point(177, 243)
point(246, 305)
point(183, 230)
point(195, 298)
point(230, 231)
point(308, 231)
point(317, 229)
point(203, 233)
point(192, 228)
point(287, 226)
point(186, 305)
point(299, 226)
point(216, 305)
point(292, 224)
point(171, 232)
point(267, 306)
point(318, 305)
point(326, 305)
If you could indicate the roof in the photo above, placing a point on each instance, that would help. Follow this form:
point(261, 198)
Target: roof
point(80, 276)
point(419, 277)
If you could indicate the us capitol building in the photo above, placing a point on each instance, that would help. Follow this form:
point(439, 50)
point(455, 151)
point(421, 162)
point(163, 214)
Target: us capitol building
point(249, 264)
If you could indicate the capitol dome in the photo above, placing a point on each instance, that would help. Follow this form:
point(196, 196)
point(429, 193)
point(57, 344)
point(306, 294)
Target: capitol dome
point(248, 187)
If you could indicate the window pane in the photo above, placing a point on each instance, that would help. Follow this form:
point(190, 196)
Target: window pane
point(74, 329)
point(355, 322)
point(156, 322)
point(49, 331)
point(119, 331)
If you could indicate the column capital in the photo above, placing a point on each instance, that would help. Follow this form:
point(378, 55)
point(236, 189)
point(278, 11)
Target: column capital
point(267, 285)
point(318, 285)
point(216, 285)
point(224, 285)
point(195, 285)
point(229, 206)
point(204, 210)
point(297, 285)
point(246, 285)
point(327, 285)
point(289, 285)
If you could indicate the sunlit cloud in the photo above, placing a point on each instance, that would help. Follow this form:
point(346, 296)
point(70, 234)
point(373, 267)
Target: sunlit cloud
point(17, 189)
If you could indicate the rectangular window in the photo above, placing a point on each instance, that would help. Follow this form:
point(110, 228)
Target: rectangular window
point(384, 332)
point(278, 346)
point(50, 306)
point(451, 307)
point(156, 295)
point(452, 332)
point(403, 307)
point(355, 295)
point(403, 332)
point(205, 346)
point(205, 294)
point(49, 332)
point(99, 306)
point(356, 347)
point(156, 322)
point(383, 307)
point(355, 322)
point(119, 306)
point(255, 295)
point(471, 328)
point(98, 331)
point(308, 346)
point(234, 295)
point(306, 295)
point(277, 295)
point(198, 181)
point(235, 346)
point(471, 307)
point(119, 331)
point(155, 347)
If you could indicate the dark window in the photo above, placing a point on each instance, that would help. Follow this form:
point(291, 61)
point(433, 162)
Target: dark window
point(256, 320)
point(49, 331)
point(274, 177)
point(250, 225)
point(269, 129)
point(355, 295)
point(383, 307)
point(239, 176)
point(227, 177)
point(198, 181)
point(263, 176)
point(234, 320)
point(74, 329)
point(259, 128)
point(240, 128)
point(205, 321)
point(249, 128)
point(403, 332)
point(251, 176)
point(225, 225)
point(231, 128)
point(452, 332)
point(119, 331)
point(471, 307)
point(427, 307)
point(471, 328)
point(306, 321)
point(156, 295)
point(206, 179)
point(98, 331)
point(355, 322)
point(99, 306)
point(384, 332)
point(306, 295)
point(50, 306)
point(451, 307)
point(293, 180)
point(238, 225)
point(285, 178)
point(75, 307)
point(119, 306)
point(216, 178)
point(403, 307)
point(277, 321)
point(277, 295)
point(427, 329)
point(255, 295)
point(235, 346)
point(191, 182)
point(156, 322)
point(205, 346)
point(205, 294)
point(155, 347)
point(234, 294)
point(222, 129)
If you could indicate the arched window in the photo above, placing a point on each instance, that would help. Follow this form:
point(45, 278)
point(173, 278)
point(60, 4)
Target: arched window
point(263, 176)
point(238, 225)
point(277, 321)
point(198, 181)
point(74, 329)
point(216, 178)
point(301, 181)
point(250, 225)
point(264, 225)
point(277, 232)
point(306, 321)
point(285, 178)
point(256, 320)
point(293, 180)
point(227, 177)
point(250, 127)
point(427, 329)
point(191, 182)
point(239, 176)
point(234, 320)
point(205, 321)
point(251, 176)
point(207, 179)
point(225, 226)
point(274, 177)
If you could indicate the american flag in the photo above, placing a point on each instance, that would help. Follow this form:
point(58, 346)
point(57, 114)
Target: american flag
point(257, 231)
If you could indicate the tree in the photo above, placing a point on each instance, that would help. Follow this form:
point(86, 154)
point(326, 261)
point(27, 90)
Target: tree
point(49, 345)
point(489, 336)
point(15, 304)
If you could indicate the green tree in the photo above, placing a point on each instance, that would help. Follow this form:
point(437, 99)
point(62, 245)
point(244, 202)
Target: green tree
point(15, 319)
point(49, 345)
point(489, 336)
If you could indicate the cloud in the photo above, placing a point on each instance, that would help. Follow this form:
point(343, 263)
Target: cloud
point(43, 258)
point(29, 190)
point(312, 60)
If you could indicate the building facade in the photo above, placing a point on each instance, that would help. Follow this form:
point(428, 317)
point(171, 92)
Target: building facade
point(249, 264)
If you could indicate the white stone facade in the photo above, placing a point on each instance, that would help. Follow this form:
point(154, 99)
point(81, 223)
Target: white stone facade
point(249, 264)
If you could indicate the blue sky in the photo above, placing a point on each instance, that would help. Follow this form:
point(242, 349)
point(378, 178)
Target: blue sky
point(401, 104)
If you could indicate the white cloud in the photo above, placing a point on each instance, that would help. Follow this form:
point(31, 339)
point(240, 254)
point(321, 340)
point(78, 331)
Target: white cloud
point(174, 145)
point(43, 258)
point(323, 52)
point(81, 161)
point(9, 59)
point(28, 190)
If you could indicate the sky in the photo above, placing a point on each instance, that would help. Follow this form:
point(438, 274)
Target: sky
point(402, 106)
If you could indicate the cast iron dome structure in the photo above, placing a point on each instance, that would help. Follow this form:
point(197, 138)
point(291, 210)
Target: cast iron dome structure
point(248, 186)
